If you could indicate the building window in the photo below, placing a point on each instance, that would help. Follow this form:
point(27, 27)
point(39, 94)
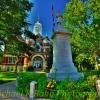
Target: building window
point(11, 60)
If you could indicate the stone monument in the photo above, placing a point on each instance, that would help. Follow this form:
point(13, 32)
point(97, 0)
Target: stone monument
point(63, 66)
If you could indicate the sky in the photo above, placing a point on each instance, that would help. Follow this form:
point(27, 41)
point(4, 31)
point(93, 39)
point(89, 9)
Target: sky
point(43, 9)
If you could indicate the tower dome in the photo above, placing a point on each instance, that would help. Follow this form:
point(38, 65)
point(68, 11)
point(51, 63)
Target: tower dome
point(37, 29)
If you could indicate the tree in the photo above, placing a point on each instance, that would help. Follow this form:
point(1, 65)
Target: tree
point(13, 14)
point(82, 19)
point(50, 58)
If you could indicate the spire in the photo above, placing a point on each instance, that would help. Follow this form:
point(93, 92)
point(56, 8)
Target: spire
point(37, 28)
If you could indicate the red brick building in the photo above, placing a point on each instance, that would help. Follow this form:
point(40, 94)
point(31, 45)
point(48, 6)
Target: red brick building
point(39, 56)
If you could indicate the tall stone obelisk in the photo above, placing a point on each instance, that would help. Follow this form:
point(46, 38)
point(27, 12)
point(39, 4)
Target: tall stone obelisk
point(63, 66)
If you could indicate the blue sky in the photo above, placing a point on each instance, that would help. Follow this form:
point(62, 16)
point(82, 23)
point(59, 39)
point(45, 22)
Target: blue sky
point(43, 9)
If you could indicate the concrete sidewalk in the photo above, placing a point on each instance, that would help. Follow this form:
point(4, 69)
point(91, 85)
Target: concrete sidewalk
point(8, 92)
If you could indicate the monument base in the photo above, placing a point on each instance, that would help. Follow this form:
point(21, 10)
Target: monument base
point(65, 76)
point(62, 72)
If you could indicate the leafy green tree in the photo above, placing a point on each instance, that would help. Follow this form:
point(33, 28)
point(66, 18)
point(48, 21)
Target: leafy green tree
point(50, 58)
point(82, 19)
point(13, 14)
point(1, 56)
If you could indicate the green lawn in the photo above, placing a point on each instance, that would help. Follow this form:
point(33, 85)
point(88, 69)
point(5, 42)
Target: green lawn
point(7, 77)
point(10, 76)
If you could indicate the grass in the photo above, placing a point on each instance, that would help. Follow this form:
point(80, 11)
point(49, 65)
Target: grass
point(11, 76)
point(7, 77)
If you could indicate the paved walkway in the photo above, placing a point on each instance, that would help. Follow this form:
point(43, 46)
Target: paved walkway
point(9, 85)
point(8, 92)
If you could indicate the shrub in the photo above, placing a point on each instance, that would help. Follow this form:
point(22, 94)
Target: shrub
point(83, 89)
point(30, 68)
point(25, 78)
point(91, 73)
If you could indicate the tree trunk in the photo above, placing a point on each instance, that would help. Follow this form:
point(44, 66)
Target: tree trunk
point(16, 65)
point(18, 62)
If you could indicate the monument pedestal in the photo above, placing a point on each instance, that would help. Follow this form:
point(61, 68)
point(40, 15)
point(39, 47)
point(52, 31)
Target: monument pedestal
point(63, 66)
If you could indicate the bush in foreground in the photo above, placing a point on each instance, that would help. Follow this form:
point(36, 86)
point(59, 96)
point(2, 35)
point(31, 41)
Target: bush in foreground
point(83, 89)
point(25, 78)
